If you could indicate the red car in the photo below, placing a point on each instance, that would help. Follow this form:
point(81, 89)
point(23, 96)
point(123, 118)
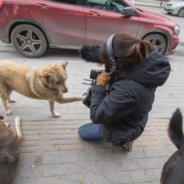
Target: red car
point(35, 25)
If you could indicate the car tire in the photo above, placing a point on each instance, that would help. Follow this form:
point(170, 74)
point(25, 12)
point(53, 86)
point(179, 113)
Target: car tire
point(157, 40)
point(181, 12)
point(28, 40)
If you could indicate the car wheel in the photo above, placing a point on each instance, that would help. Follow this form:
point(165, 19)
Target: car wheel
point(181, 12)
point(157, 40)
point(29, 40)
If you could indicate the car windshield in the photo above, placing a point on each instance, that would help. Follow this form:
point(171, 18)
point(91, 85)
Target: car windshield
point(112, 5)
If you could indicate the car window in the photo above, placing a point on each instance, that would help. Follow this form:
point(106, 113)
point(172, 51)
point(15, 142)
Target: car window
point(110, 5)
point(66, 1)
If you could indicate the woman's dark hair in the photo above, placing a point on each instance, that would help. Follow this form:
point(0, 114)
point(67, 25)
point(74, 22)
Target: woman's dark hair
point(128, 50)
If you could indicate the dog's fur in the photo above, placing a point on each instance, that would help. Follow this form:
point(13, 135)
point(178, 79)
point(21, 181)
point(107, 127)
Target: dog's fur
point(173, 169)
point(47, 82)
point(9, 152)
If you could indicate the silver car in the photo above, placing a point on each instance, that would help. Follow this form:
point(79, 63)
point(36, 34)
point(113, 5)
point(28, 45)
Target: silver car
point(175, 8)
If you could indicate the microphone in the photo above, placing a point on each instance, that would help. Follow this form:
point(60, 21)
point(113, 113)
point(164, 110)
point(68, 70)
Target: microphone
point(90, 53)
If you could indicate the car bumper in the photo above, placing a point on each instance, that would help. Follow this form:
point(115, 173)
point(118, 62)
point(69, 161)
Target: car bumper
point(172, 10)
point(173, 45)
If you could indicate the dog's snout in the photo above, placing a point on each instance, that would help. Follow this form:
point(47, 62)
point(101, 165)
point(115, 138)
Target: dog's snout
point(65, 91)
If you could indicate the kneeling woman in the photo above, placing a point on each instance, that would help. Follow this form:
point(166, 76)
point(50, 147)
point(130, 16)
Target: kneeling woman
point(121, 116)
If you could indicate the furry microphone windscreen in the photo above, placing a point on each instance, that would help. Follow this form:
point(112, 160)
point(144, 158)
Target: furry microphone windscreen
point(90, 53)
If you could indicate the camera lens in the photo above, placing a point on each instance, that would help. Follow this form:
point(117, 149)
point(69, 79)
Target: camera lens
point(95, 73)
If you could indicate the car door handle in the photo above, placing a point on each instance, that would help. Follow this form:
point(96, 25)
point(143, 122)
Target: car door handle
point(94, 13)
point(43, 6)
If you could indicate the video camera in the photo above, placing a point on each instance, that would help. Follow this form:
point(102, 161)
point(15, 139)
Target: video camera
point(93, 76)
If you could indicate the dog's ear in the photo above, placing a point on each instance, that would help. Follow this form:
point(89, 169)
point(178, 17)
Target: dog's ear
point(64, 65)
point(45, 75)
point(1, 117)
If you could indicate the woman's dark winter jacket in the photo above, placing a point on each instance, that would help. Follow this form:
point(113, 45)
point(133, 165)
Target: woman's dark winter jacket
point(123, 113)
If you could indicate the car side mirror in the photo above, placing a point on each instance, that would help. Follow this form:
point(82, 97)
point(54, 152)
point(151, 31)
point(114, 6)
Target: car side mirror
point(128, 11)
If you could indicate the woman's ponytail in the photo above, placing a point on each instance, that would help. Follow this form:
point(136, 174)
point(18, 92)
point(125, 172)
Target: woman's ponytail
point(145, 48)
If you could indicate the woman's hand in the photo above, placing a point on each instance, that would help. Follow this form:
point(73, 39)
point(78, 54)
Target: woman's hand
point(103, 78)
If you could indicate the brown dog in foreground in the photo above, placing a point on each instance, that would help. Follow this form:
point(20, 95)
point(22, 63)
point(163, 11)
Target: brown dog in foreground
point(173, 169)
point(44, 83)
point(9, 152)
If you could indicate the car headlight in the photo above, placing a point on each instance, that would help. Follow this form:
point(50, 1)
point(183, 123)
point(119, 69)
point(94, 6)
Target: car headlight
point(177, 30)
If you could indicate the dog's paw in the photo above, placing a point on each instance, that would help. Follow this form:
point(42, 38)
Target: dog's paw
point(17, 120)
point(11, 100)
point(8, 112)
point(56, 115)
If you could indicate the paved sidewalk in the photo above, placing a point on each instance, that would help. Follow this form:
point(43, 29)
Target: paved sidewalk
point(149, 3)
point(60, 156)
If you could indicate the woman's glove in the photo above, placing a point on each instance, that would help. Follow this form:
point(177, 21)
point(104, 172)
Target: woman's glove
point(103, 78)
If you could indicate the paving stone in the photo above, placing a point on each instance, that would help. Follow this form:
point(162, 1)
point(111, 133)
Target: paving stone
point(37, 104)
point(91, 156)
point(141, 176)
point(94, 178)
point(33, 181)
point(151, 163)
point(54, 170)
point(159, 152)
point(68, 180)
point(108, 166)
point(67, 158)
point(148, 183)
point(49, 180)
point(78, 168)
point(84, 117)
point(68, 116)
point(27, 159)
point(118, 178)
point(162, 160)
point(157, 173)
point(78, 110)
point(49, 159)
point(119, 155)
point(27, 172)
point(127, 165)
point(19, 181)
point(112, 166)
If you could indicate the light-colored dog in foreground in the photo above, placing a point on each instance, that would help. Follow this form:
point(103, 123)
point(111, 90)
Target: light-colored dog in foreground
point(9, 150)
point(44, 83)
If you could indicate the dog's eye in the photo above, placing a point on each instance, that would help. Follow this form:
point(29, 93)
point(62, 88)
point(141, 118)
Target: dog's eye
point(57, 82)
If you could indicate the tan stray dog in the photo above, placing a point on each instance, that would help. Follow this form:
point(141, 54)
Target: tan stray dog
point(9, 152)
point(47, 82)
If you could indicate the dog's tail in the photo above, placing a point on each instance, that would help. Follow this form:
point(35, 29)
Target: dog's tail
point(175, 130)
